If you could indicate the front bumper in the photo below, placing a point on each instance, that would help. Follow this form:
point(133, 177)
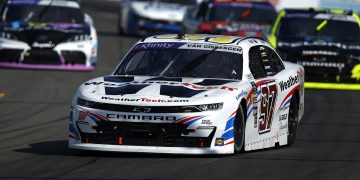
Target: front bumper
point(77, 56)
point(148, 149)
point(47, 67)
point(188, 133)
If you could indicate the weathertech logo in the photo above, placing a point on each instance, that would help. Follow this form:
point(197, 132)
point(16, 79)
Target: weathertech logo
point(145, 100)
point(290, 82)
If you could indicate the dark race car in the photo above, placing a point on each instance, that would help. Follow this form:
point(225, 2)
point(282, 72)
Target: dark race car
point(230, 17)
point(325, 42)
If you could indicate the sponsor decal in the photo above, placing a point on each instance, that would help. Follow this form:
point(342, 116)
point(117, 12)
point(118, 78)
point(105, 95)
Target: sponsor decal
point(166, 45)
point(144, 100)
point(283, 117)
point(284, 85)
point(243, 93)
point(319, 52)
point(319, 43)
point(219, 142)
point(43, 45)
point(135, 117)
point(322, 64)
point(217, 47)
point(206, 122)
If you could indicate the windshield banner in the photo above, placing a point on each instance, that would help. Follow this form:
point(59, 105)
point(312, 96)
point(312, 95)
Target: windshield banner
point(199, 46)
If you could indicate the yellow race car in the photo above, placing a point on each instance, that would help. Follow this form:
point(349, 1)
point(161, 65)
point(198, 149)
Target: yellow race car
point(326, 42)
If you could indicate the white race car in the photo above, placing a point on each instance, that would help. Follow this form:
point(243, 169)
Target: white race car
point(149, 17)
point(47, 34)
point(191, 94)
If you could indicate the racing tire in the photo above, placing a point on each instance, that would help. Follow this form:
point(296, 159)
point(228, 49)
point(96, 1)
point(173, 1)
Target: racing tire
point(239, 131)
point(293, 120)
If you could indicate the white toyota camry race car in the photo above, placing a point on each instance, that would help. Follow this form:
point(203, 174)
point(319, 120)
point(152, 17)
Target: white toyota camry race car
point(47, 34)
point(191, 94)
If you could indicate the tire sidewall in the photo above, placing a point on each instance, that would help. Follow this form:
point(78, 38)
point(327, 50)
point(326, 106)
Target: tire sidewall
point(239, 131)
point(293, 120)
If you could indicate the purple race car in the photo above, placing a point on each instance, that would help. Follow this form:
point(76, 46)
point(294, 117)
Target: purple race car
point(47, 34)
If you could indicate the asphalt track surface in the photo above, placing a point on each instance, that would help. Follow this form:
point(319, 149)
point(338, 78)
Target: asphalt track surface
point(34, 108)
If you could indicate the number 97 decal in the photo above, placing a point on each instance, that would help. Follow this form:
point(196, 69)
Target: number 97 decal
point(267, 106)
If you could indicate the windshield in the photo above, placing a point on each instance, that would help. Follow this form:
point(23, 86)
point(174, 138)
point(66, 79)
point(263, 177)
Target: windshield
point(237, 13)
point(37, 13)
point(335, 29)
point(182, 63)
point(181, 2)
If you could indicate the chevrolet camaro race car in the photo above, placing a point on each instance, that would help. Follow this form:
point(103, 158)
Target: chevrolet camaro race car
point(191, 94)
point(47, 34)
point(325, 42)
point(149, 17)
point(231, 17)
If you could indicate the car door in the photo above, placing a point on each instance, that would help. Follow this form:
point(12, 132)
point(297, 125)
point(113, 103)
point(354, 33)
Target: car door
point(266, 85)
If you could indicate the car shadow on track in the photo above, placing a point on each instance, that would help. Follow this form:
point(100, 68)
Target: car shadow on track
point(61, 148)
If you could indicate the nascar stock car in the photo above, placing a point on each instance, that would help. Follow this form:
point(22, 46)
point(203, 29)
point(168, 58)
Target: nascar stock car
point(47, 34)
point(325, 42)
point(231, 17)
point(191, 94)
point(149, 17)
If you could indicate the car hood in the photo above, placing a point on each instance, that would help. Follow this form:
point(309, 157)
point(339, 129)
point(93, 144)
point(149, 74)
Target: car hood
point(42, 32)
point(159, 11)
point(156, 90)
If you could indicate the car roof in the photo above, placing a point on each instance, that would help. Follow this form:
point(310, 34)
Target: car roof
point(319, 11)
point(65, 3)
point(257, 3)
point(198, 38)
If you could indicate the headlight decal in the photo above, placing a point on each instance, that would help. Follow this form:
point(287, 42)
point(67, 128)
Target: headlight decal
point(210, 107)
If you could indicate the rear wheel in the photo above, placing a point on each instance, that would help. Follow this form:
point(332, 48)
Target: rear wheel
point(293, 120)
point(239, 131)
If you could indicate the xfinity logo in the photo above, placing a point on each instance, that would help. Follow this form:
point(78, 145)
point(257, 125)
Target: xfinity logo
point(142, 109)
point(156, 45)
point(123, 117)
point(43, 45)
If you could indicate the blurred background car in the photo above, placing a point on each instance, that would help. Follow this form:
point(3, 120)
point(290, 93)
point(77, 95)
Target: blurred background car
point(325, 42)
point(230, 17)
point(148, 17)
point(47, 34)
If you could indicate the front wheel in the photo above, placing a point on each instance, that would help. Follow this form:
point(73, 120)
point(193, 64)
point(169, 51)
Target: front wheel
point(239, 131)
point(293, 120)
